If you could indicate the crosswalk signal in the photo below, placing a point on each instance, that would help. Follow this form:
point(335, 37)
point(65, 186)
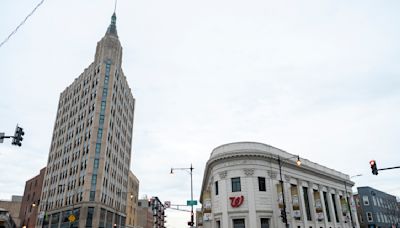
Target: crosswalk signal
point(374, 169)
point(19, 132)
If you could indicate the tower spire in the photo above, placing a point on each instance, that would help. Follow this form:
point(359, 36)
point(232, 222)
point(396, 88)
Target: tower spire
point(112, 28)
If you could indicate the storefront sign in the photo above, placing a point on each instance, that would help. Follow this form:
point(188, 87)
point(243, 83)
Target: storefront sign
point(236, 201)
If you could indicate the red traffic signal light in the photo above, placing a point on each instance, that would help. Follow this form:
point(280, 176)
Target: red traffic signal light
point(372, 162)
point(374, 169)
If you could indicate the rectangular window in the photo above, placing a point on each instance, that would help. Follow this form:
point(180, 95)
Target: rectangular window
point(218, 224)
point(102, 217)
point(216, 188)
point(101, 120)
point(261, 184)
point(365, 200)
point(295, 202)
point(92, 194)
point(238, 223)
point(307, 203)
point(94, 179)
point(328, 214)
point(264, 223)
point(236, 184)
point(369, 217)
point(335, 207)
point(96, 163)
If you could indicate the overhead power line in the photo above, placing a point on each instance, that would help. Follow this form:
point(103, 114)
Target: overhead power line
point(23, 22)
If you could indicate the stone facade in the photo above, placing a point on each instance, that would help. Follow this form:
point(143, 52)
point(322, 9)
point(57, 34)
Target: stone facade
point(131, 205)
point(242, 188)
point(31, 200)
point(90, 152)
point(144, 214)
point(12, 207)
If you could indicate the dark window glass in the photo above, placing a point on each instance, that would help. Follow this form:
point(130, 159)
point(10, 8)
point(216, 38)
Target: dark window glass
point(236, 184)
point(238, 223)
point(261, 184)
point(307, 203)
point(264, 223)
point(334, 207)
point(92, 195)
point(218, 224)
point(102, 217)
point(109, 220)
point(328, 214)
point(216, 188)
point(89, 219)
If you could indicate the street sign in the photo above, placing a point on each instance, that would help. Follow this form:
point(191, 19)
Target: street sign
point(71, 218)
point(191, 202)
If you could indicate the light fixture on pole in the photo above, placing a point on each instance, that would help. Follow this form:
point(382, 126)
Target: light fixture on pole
point(283, 211)
point(191, 223)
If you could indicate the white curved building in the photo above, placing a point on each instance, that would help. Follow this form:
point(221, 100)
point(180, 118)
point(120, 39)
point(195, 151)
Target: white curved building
point(241, 188)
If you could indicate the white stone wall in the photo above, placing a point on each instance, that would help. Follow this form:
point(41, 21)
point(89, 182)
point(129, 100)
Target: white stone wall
point(252, 160)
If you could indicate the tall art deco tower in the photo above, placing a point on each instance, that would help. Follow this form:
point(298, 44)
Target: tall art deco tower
point(88, 165)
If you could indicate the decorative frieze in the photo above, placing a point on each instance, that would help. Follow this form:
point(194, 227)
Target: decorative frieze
point(223, 174)
point(271, 174)
point(248, 172)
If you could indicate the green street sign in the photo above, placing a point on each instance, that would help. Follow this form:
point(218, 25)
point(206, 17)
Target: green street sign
point(191, 202)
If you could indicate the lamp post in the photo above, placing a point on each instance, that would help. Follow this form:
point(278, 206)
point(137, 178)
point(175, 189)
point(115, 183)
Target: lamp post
point(283, 211)
point(191, 191)
point(348, 200)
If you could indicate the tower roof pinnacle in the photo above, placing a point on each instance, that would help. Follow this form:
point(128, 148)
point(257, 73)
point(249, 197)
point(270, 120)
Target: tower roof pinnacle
point(112, 28)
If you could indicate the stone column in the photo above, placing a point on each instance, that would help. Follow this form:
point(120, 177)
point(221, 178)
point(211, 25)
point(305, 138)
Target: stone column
point(289, 201)
point(302, 203)
point(312, 203)
point(249, 180)
point(224, 183)
point(276, 219)
point(331, 207)
point(321, 195)
point(340, 209)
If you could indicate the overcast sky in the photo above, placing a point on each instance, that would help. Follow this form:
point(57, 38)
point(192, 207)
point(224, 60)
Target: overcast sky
point(316, 78)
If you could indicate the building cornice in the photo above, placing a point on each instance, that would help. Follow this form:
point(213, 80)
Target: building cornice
point(259, 151)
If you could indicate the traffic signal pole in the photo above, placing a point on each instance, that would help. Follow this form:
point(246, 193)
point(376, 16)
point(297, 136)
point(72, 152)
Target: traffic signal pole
point(396, 167)
point(375, 169)
point(17, 138)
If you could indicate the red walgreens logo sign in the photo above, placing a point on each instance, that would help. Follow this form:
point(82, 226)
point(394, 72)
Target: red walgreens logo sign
point(236, 201)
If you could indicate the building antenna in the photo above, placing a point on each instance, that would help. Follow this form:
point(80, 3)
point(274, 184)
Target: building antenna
point(115, 5)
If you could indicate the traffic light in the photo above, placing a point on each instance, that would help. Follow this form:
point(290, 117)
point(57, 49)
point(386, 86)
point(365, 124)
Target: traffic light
point(19, 132)
point(283, 215)
point(190, 223)
point(374, 169)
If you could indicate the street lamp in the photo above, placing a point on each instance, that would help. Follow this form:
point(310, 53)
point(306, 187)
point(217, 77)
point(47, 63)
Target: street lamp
point(191, 190)
point(283, 212)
